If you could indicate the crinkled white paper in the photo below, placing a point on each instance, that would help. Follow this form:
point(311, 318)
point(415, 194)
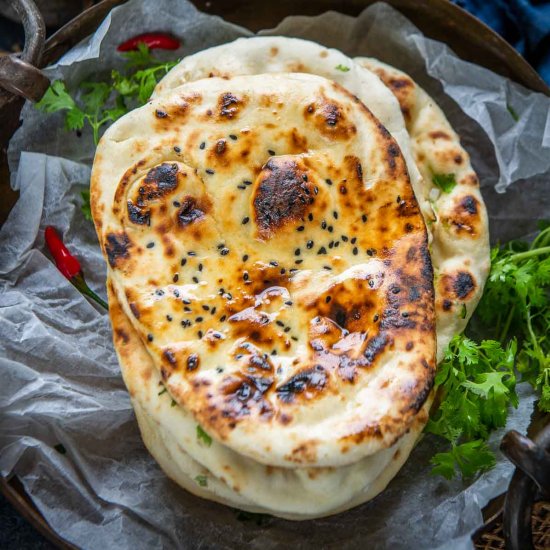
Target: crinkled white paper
point(60, 378)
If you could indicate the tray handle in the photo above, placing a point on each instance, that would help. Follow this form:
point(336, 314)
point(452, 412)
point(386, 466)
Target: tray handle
point(18, 72)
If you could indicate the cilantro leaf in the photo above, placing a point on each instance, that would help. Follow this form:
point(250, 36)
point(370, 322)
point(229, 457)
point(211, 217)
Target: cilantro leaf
point(203, 436)
point(56, 98)
point(342, 68)
point(85, 207)
point(445, 182)
point(202, 480)
point(468, 458)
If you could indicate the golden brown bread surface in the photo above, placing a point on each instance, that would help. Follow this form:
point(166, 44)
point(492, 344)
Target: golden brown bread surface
point(265, 242)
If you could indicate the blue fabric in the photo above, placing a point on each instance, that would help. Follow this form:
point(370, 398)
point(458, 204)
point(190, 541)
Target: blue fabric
point(523, 23)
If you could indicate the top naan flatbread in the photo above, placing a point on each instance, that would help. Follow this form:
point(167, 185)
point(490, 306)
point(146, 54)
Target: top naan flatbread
point(264, 239)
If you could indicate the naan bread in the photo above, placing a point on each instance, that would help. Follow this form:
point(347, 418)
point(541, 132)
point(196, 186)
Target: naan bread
point(319, 360)
point(459, 225)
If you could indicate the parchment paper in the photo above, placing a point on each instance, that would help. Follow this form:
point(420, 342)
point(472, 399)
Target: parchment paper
point(60, 378)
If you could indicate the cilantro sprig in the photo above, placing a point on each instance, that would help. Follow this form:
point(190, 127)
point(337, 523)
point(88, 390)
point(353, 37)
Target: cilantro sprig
point(100, 103)
point(476, 381)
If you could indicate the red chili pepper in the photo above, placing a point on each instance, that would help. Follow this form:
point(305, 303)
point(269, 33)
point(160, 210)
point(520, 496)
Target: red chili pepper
point(153, 40)
point(68, 265)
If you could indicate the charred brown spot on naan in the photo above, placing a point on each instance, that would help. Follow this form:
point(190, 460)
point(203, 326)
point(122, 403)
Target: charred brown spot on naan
point(229, 106)
point(307, 384)
point(282, 195)
point(330, 119)
point(459, 285)
point(306, 453)
point(192, 210)
point(117, 247)
point(464, 217)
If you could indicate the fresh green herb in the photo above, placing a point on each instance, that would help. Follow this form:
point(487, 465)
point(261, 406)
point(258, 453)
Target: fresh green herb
point(202, 480)
point(477, 384)
point(463, 311)
point(445, 182)
point(173, 404)
point(203, 436)
point(516, 302)
point(162, 391)
point(342, 68)
point(511, 110)
point(60, 448)
point(85, 207)
point(99, 103)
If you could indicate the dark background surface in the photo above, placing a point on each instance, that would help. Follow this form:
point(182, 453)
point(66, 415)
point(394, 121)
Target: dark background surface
point(524, 23)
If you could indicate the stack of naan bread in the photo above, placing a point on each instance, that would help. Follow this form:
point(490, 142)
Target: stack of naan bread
point(285, 270)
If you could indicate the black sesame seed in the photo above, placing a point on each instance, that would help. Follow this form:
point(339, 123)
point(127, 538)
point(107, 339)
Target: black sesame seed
point(195, 280)
point(209, 171)
point(316, 190)
point(161, 114)
point(177, 204)
point(404, 314)
point(288, 303)
point(287, 329)
point(168, 317)
point(354, 240)
point(355, 251)
point(200, 267)
point(213, 310)
point(247, 182)
point(159, 292)
point(273, 263)
point(177, 149)
point(328, 181)
point(274, 352)
point(298, 262)
point(309, 244)
point(335, 215)
point(328, 299)
point(293, 270)
point(297, 252)
point(199, 334)
point(322, 250)
point(186, 301)
point(233, 137)
point(183, 261)
point(223, 318)
point(344, 238)
point(280, 323)
point(396, 290)
point(187, 309)
point(205, 307)
point(185, 323)
point(304, 177)
point(398, 199)
point(241, 187)
point(271, 152)
point(245, 257)
point(283, 271)
point(216, 335)
point(336, 244)
point(224, 251)
point(199, 320)
point(202, 145)
point(323, 224)
point(220, 246)
point(300, 228)
point(175, 278)
point(376, 317)
point(219, 370)
point(245, 276)
point(150, 337)
point(176, 293)
point(370, 251)
point(294, 338)
point(245, 220)
point(327, 267)
point(150, 245)
point(330, 229)
point(331, 244)
point(191, 253)
point(310, 217)
point(364, 218)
